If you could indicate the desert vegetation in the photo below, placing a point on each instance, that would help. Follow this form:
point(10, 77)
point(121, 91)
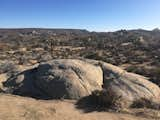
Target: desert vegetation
point(135, 50)
point(102, 71)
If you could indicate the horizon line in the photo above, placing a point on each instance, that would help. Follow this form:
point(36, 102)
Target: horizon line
point(79, 29)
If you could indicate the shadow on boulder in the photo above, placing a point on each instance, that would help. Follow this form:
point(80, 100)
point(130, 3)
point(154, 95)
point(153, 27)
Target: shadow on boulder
point(23, 84)
point(57, 79)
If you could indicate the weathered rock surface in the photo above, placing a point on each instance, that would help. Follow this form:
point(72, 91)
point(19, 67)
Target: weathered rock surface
point(73, 79)
point(127, 87)
point(65, 78)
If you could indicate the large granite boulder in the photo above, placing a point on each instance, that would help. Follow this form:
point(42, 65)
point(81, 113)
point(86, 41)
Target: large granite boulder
point(73, 79)
point(61, 78)
point(127, 88)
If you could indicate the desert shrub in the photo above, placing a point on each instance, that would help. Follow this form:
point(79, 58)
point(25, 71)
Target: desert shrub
point(157, 70)
point(23, 59)
point(94, 55)
point(145, 103)
point(132, 69)
point(99, 101)
point(105, 100)
point(91, 55)
point(6, 67)
point(154, 75)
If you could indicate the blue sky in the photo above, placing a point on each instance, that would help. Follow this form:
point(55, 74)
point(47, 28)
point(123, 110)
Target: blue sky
point(94, 15)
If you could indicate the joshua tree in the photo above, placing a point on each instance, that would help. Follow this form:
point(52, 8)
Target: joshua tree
point(52, 43)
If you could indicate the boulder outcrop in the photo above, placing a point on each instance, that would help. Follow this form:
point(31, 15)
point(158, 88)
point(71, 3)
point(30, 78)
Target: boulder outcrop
point(74, 79)
point(62, 78)
point(127, 88)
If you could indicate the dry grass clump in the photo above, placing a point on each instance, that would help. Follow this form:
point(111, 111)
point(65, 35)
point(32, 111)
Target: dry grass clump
point(100, 101)
point(144, 103)
point(105, 101)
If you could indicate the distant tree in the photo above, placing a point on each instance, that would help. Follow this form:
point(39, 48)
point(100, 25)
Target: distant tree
point(51, 43)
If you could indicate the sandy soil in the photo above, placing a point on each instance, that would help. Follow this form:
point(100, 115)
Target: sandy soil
point(21, 108)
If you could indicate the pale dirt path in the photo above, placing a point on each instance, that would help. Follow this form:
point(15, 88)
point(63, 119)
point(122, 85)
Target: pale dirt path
point(21, 108)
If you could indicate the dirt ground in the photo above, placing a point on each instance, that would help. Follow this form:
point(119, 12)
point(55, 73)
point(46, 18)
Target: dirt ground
point(22, 108)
